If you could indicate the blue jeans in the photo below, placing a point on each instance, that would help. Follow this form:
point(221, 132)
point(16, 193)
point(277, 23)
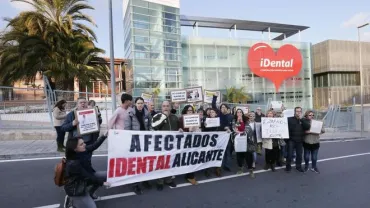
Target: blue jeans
point(296, 147)
point(313, 153)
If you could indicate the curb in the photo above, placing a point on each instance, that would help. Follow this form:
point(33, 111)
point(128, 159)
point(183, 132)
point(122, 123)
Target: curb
point(56, 155)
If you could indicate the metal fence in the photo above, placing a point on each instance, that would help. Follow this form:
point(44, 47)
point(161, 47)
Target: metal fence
point(31, 108)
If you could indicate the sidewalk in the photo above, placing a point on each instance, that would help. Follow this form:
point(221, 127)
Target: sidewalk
point(21, 149)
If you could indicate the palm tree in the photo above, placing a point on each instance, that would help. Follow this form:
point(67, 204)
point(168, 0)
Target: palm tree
point(235, 95)
point(51, 39)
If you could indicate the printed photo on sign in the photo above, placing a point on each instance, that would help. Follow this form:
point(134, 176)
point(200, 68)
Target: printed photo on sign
point(136, 156)
point(316, 126)
point(178, 96)
point(194, 95)
point(147, 97)
point(208, 96)
point(191, 120)
point(274, 128)
point(87, 121)
point(212, 122)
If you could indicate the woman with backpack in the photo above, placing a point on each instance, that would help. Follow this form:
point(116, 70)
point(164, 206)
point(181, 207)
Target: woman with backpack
point(81, 179)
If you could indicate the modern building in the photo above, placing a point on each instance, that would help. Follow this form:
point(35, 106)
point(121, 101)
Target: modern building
point(336, 72)
point(160, 57)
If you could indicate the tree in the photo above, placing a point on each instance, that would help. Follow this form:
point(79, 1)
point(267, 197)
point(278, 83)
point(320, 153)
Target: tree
point(235, 95)
point(52, 39)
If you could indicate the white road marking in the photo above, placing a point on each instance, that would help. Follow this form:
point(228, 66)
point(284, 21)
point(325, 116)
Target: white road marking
point(105, 155)
point(211, 180)
point(50, 206)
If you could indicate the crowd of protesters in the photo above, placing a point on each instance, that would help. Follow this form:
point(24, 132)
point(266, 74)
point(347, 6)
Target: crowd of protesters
point(141, 116)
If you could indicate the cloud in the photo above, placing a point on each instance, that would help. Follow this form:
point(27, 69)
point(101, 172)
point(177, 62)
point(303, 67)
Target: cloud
point(356, 20)
point(21, 6)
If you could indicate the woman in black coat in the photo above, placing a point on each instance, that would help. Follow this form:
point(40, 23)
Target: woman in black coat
point(81, 179)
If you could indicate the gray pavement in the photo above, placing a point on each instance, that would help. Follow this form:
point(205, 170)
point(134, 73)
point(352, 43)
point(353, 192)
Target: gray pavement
point(341, 184)
point(16, 149)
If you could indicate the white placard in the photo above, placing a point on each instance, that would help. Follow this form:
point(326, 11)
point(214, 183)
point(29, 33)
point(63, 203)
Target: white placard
point(87, 121)
point(212, 122)
point(276, 105)
point(275, 128)
point(208, 96)
point(241, 143)
point(192, 120)
point(245, 109)
point(194, 95)
point(135, 156)
point(288, 113)
point(316, 126)
point(178, 96)
point(147, 97)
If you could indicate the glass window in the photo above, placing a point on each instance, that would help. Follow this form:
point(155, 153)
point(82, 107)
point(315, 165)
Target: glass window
point(141, 25)
point(141, 55)
point(140, 10)
point(140, 3)
point(170, 43)
point(144, 48)
point(170, 9)
point(140, 39)
point(141, 18)
point(155, 6)
point(169, 16)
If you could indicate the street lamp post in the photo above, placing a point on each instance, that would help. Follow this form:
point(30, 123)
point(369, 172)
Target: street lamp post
point(112, 73)
point(361, 78)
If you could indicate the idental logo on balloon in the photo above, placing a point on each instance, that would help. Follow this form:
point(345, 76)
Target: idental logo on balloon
point(284, 64)
point(277, 67)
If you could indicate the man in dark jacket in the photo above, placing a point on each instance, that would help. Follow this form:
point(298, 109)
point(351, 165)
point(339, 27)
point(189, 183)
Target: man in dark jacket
point(226, 120)
point(165, 121)
point(295, 142)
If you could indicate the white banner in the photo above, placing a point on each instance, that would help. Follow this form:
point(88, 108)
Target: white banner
point(135, 156)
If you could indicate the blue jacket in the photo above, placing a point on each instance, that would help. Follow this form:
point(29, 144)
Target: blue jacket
point(226, 120)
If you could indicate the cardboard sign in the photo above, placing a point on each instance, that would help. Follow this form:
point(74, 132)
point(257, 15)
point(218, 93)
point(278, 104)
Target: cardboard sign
point(274, 128)
point(147, 97)
point(192, 120)
point(276, 105)
point(245, 109)
point(178, 96)
point(316, 126)
point(277, 67)
point(208, 96)
point(212, 122)
point(188, 95)
point(87, 121)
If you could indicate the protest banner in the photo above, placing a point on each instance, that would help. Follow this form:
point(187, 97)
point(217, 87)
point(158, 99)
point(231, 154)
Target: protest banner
point(275, 128)
point(147, 97)
point(276, 105)
point(135, 156)
point(208, 96)
point(178, 96)
point(192, 120)
point(87, 121)
point(316, 126)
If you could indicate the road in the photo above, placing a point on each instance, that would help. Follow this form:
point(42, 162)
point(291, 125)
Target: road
point(342, 183)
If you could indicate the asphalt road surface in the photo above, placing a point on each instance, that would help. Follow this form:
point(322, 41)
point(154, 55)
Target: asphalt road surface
point(343, 182)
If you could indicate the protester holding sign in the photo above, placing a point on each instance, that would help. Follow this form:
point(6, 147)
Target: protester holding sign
point(188, 110)
point(165, 121)
point(241, 128)
point(81, 179)
point(311, 144)
point(297, 128)
point(272, 148)
point(256, 137)
point(138, 118)
point(225, 124)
